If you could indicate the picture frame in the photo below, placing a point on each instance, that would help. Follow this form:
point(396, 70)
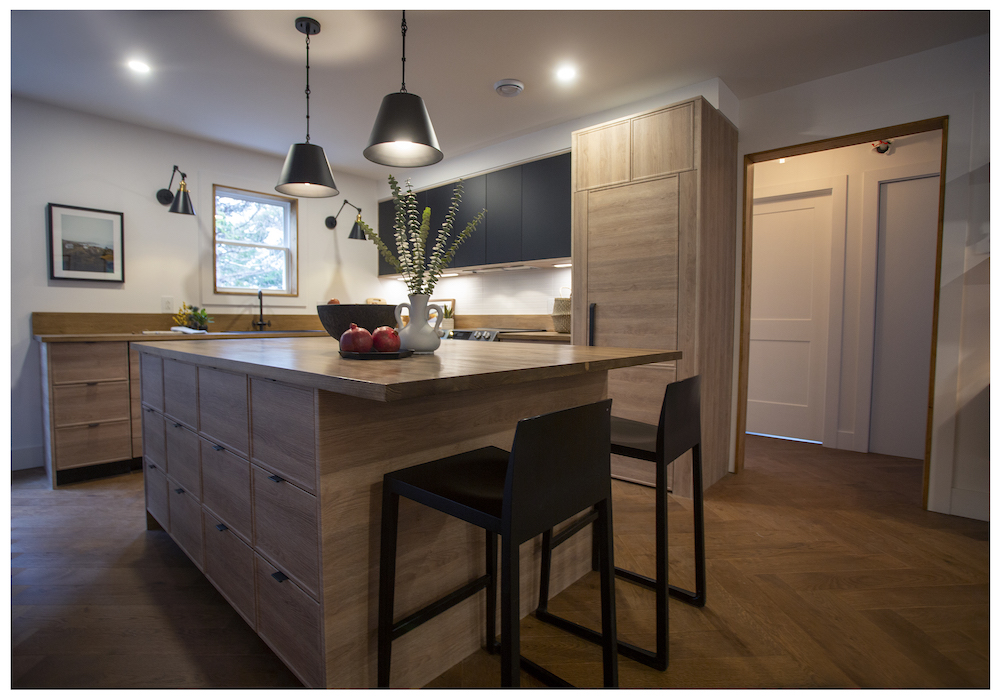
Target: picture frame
point(85, 244)
point(448, 305)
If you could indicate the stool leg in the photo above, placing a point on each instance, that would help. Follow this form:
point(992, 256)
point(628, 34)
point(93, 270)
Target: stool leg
point(491, 592)
point(699, 530)
point(510, 627)
point(609, 631)
point(387, 582)
point(662, 582)
point(546, 572)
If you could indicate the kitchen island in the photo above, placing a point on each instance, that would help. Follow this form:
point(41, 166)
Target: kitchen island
point(264, 458)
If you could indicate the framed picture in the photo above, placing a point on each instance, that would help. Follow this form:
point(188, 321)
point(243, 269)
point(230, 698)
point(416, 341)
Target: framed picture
point(85, 244)
point(447, 305)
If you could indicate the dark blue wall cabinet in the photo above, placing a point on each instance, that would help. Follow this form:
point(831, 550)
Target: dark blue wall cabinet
point(503, 204)
point(546, 203)
point(472, 251)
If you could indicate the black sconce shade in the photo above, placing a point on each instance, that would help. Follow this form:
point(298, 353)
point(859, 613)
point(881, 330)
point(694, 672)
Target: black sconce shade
point(356, 232)
point(181, 203)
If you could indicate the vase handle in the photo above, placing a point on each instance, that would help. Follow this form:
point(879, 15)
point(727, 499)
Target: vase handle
point(399, 315)
point(438, 319)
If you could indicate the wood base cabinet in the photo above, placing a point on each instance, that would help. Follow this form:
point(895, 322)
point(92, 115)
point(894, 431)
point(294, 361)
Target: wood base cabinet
point(654, 249)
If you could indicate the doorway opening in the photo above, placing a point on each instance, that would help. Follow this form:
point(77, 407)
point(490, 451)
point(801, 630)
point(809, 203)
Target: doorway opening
point(795, 340)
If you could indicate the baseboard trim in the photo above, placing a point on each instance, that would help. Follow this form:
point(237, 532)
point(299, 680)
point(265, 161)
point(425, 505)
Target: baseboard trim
point(27, 457)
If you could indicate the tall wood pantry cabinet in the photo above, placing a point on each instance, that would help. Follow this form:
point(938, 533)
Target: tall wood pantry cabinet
point(654, 247)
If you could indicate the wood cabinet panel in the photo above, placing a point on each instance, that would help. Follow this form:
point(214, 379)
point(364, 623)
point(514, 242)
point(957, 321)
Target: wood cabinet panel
point(180, 392)
point(151, 371)
point(185, 521)
point(225, 479)
point(229, 565)
point(663, 142)
point(602, 156)
point(183, 457)
point(290, 621)
point(156, 493)
point(90, 402)
point(223, 407)
point(286, 528)
point(95, 443)
point(283, 431)
point(135, 400)
point(154, 437)
point(73, 362)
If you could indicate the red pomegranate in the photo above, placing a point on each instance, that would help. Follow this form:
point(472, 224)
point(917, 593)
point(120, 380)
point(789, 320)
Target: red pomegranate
point(386, 339)
point(356, 339)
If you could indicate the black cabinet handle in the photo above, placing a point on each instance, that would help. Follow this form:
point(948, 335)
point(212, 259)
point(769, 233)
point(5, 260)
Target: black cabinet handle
point(177, 424)
point(590, 333)
point(276, 479)
point(149, 410)
point(179, 491)
point(94, 424)
point(218, 447)
point(279, 576)
point(91, 383)
point(221, 527)
point(152, 465)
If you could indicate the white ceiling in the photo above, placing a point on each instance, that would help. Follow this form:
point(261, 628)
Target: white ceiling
point(238, 77)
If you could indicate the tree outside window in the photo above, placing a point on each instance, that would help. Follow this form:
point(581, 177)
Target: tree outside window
point(255, 242)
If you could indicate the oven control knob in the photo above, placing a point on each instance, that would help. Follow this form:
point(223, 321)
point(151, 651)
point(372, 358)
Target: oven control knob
point(486, 335)
point(478, 334)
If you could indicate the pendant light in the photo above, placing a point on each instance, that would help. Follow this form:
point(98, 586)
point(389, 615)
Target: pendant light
point(307, 172)
point(403, 135)
point(181, 203)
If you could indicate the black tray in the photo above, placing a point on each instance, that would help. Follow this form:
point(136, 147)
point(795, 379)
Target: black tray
point(402, 354)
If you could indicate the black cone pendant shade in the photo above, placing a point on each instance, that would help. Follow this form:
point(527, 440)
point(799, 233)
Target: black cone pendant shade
point(306, 172)
point(182, 202)
point(403, 135)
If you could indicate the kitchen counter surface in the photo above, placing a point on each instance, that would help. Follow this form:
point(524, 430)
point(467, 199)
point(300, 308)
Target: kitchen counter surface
point(171, 336)
point(547, 336)
point(456, 366)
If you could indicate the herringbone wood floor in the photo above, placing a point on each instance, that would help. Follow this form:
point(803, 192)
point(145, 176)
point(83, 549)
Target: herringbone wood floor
point(823, 571)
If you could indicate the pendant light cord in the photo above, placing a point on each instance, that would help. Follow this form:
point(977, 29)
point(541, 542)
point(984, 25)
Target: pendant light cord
point(307, 88)
point(403, 88)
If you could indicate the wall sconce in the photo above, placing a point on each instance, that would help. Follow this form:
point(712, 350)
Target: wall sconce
point(881, 146)
point(180, 204)
point(356, 233)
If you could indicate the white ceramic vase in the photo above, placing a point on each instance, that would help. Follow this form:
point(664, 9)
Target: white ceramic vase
point(419, 335)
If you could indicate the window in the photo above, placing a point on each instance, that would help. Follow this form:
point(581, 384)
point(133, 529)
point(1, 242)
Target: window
point(255, 243)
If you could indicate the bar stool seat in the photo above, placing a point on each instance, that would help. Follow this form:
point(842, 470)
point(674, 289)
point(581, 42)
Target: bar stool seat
point(677, 432)
point(559, 465)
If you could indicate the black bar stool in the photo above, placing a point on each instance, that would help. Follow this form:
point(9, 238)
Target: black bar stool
point(559, 465)
point(678, 431)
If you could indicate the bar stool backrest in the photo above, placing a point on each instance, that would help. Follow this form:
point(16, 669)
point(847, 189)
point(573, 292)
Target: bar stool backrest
point(680, 419)
point(560, 464)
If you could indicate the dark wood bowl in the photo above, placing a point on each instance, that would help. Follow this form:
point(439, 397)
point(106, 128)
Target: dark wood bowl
point(337, 318)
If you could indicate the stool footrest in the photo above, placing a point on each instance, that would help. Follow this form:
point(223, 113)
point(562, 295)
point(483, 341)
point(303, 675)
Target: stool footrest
point(640, 655)
point(434, 608)
point(574, 528)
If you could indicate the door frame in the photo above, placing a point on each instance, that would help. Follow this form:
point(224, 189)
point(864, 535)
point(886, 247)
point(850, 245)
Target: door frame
point(743, 360)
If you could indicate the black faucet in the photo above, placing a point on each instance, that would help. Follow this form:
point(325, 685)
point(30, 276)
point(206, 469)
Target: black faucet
point(260, 324)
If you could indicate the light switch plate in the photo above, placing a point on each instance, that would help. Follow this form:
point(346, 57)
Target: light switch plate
point(166, 304)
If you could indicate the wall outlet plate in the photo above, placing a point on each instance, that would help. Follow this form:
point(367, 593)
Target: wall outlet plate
point(167, 304)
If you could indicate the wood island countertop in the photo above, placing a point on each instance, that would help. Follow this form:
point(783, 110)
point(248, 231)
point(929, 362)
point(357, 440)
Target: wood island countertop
point(455, 366)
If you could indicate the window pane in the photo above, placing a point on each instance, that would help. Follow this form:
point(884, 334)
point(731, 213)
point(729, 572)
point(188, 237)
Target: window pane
point(249, 221)
point(245, 267)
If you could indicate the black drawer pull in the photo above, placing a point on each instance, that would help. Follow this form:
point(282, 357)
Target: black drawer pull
point(149, 410)
point(91, 383)
point(94, 424)
point(152, 465)
point(221, 527)
point(177, 424)
point(179, 491)
point(279, 576)
point(218, 447)
point(276, 479)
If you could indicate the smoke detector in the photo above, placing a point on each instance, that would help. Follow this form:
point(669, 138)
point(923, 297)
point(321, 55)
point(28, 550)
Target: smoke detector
point(508, 87)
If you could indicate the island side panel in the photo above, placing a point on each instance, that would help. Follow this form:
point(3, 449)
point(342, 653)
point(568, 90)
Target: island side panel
point(359, 441)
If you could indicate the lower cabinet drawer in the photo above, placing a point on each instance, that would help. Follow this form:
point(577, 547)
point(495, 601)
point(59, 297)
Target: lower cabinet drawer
point(225, 487)
point(290, 621)
point(229, 565)
point(185, 522)
point(156, 493)
point(286, 528)
point(153, 436)
point(90, 402)
point(183, 456)
point(93, 444)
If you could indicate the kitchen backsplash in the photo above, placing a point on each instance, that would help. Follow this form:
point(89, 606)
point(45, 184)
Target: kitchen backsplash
point(521, 292)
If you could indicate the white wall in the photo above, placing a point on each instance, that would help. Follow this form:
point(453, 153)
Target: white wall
point(952, 80)
point(64, 157)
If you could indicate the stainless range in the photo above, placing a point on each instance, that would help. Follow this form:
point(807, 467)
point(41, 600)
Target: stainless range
point(487, 334)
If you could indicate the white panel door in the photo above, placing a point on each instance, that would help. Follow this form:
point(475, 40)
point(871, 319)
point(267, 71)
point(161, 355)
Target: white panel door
point(904, 306)
point(789, 315)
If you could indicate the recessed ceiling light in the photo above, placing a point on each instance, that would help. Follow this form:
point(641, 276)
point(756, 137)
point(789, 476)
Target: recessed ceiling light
point(566, 73)
point(138, 66)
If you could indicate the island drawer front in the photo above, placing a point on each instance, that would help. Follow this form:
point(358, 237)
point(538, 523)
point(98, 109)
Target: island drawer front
point(135, 400)
point(283, 431)
point(157, 501)
point(180, 392)
point(229, 565)
point(95, 443)
point(225, 480)
point(151, 372)
point(76, 362)
point(154, 436)
point(185, 521)
point(223, 409)
point(183, 457)
point(90, 402)
point(290, 622)
point(286, 528)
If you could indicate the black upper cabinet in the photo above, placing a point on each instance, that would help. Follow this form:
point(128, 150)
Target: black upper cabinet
point(386, 217)
point(546, 203)
point(503, 213)
point(473, 250)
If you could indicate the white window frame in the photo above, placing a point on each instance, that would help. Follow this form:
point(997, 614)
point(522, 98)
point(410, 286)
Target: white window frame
point(290, 248)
